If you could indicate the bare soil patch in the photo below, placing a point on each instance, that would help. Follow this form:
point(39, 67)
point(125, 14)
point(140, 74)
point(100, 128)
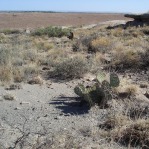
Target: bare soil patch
point(35, 20)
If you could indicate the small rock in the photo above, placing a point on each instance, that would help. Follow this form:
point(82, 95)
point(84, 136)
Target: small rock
point(56, 118)
point(14, 86)
point(143, 85)
point(17, 108)
point(147, 94)
point(33, 109)
point(8, 97)
point(45, 68)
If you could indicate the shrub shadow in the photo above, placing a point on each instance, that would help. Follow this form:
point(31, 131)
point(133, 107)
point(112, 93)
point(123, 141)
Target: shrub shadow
point(70, 105)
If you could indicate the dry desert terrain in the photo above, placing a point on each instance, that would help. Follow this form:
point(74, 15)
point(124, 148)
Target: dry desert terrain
point(35, 20)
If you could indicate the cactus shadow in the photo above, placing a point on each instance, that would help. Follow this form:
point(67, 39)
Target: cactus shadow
point(70, 105)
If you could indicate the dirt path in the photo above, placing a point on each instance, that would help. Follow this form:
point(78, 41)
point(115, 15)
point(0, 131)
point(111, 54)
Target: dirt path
point(43, 110)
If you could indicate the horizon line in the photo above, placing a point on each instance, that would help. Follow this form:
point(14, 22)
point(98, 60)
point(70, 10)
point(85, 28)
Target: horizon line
point(51, 11)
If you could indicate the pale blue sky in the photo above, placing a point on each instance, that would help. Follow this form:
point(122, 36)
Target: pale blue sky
point(134, 6)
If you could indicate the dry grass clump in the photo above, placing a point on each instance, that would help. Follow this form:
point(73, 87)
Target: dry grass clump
point(36, 80)
point(3, 38)
point(126, 59)
point(135, 110)
point(131, 89)
point(30, 71)
point(30, 55)
point(5, 74)
point(5, 56)
point(145, 58)
point(126, 89)
point(43, 45)
point(101, 44)
point(84, 43)
point(96, 61)
point(71, 68)
point(134, 42)
point(55, 56)
point(114, 121)
point(134, 134)
point(18, 75)
point(117, 32)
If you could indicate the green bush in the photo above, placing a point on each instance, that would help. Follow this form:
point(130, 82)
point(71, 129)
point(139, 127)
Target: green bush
point(51, 32)
point(10, 31)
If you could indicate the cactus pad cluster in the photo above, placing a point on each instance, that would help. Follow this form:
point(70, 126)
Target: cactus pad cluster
point(101, 91)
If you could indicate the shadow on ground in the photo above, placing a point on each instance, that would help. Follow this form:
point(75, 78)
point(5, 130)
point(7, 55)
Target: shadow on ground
point(70, 105)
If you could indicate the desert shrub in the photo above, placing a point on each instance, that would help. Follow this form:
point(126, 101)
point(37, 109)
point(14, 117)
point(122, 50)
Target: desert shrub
point(3, 38)
point(18, 75)
point(5, 74)
point(36, 80)
point(56, 56)
point(145, 58)
point(117, 32)
point(135, 134)
point(17, 61)
point(84, 43)
point(30, 71)
point(10, 31)
point(145, 31)
point(101, 44)
point(30, 55)
point(71, 68)
point(42, 45)
point(51, 32)
point(5, 56)
point(114, 121)
point(126, 59)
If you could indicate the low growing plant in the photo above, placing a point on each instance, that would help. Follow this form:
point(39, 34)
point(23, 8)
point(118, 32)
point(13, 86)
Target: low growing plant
point(100, 92)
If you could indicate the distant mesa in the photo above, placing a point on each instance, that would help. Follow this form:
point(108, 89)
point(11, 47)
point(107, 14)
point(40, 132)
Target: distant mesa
point(139, 19)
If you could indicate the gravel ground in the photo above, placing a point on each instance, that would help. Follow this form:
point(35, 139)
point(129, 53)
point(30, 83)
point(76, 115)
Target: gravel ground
point(46, 109)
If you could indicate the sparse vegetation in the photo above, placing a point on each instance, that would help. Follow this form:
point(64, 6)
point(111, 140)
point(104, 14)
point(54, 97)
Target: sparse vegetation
point(121, 92)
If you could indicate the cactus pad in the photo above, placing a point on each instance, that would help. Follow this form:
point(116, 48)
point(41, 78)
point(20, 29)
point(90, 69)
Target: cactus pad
point(114, 80)
point(80, 90)
point(105, 85)
point(101, 77)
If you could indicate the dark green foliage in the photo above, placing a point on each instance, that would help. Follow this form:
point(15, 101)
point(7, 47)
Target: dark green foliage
point(10, 31)
point(114, 80)
point(51, 32)
point(100, 92)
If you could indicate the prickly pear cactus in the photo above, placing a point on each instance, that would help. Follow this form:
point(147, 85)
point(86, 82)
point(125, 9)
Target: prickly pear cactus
point(100, 92)
point(101, 77)
point(80, 90)
point(105, 85)
point(114, 80)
